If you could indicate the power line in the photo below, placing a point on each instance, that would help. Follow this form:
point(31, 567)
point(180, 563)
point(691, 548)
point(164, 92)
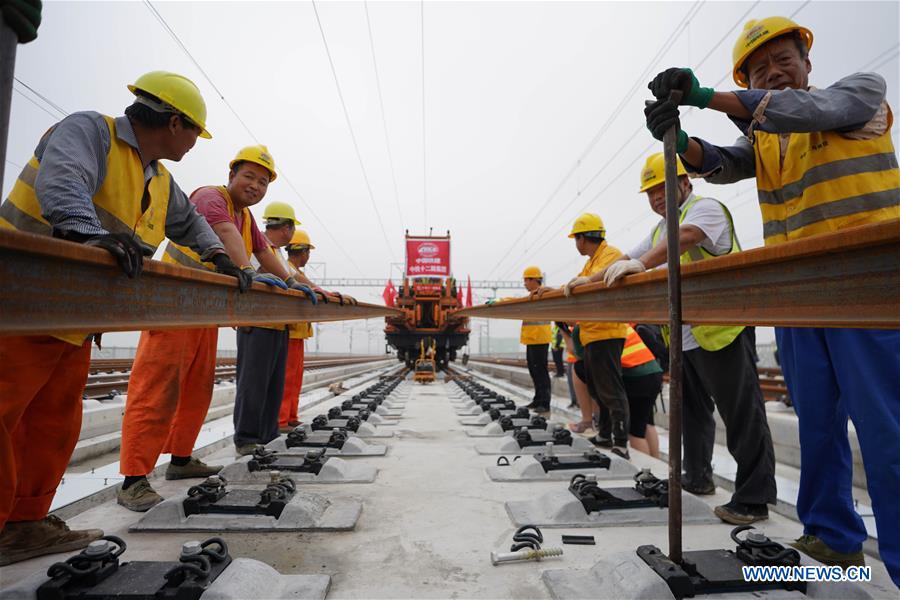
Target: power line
point(424, 147)
point(641, 78)
point(30, 99)
point(281, 172)
point(47, 100)
point(362, 167)
point(387, 141)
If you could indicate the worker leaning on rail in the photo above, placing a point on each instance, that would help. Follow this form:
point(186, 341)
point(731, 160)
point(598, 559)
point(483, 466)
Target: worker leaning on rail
point(95, 180)
point(298, 250)
point(536, 337)
point(603, 342)
point(719, 362)
point(823, 161)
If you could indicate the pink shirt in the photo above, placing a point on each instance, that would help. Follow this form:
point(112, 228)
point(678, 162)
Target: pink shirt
point(212, 206)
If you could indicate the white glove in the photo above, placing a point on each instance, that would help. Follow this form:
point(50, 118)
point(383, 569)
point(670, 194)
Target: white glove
point(620, 269)
point(573, 283)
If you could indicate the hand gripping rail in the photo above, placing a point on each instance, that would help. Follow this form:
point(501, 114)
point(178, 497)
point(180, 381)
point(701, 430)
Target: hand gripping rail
point(53, 286)
point(845, 279)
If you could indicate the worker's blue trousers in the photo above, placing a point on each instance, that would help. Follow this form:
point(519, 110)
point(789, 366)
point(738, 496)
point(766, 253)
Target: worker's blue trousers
point(832, 374)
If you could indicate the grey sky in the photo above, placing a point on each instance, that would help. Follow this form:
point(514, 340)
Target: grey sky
point(514, 94)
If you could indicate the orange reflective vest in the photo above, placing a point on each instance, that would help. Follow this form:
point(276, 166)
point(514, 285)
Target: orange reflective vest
point(635, 353)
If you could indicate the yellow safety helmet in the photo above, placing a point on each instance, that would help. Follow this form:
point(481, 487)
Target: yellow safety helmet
point(532, 273)
point(300, 241)
point(259, 155)
point(280, 210)
point(178, 92)
point(758, 32)
point(654, 171)
point(586, 223)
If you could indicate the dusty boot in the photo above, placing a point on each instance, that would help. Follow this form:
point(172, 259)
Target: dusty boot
point(139, 497)
point(195, 468)
point(21, 540)
point(819, 550)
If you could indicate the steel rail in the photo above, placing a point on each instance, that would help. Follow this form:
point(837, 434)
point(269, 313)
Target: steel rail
point(846, 279)
point(53, 286)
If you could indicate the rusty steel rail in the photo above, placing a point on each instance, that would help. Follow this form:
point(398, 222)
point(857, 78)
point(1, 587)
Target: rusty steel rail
point(845, 279)
point(52, 286)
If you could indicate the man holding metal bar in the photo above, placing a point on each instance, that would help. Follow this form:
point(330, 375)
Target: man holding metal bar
point(823, 161)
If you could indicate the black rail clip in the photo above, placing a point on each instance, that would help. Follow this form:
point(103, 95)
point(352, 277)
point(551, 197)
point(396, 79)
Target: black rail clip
point(299, 438)
point(213, 497)
point(562, 437)
point(648, 492)
point(588, 460)
point(270, 460)
point(96, 573)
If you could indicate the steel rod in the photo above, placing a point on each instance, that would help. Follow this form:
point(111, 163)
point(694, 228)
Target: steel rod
point(52, 286)
point(845, 279)
point(8, 41)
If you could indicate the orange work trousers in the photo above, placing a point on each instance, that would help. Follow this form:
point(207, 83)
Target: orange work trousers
point(41, 384)
point(293, 382)
point(169, 393)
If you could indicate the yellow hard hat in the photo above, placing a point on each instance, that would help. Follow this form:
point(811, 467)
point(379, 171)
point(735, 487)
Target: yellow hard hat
point(758, 32)
point(280, 210)
point(654, 171)
point(300, 241)
point(178, 92)
point(587, 222)
point(259, 155)
point(532, 273)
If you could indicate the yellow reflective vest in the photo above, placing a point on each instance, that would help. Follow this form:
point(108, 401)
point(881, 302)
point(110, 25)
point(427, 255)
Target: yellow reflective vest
point(710, 337)
point(118, 203)
point(594, 331)
point(302, 330)
point(535, 332)
point(826, 183)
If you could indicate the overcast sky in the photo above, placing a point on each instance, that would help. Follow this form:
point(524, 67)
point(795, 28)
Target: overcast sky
point(515, 95)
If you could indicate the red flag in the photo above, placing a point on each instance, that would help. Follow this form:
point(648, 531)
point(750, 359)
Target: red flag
point(389, 294)
point(459, 295)
point(469, 292)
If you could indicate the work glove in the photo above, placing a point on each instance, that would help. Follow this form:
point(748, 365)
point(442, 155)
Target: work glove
point(225, 266)
point(23, 17)
point(661, 115)
point(126, 248)
point(490, 301)
point(685, 81)
point(620, 269)
point(266, 278)
point(343, 299)
point(322, 294)
point(293, 284)
point(574, 283)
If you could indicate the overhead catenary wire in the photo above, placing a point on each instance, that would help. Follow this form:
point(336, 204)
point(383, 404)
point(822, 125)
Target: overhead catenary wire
point(161, 20)
point(47, 100)
point(362, 166)
point(424, 140)
point(387, 139)
point(53, 116)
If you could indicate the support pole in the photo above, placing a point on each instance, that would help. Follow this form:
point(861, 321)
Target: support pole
point(8, 41)
point(675, 354)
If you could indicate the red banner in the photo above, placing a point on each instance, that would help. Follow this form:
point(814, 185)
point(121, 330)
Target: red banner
point(427, 257)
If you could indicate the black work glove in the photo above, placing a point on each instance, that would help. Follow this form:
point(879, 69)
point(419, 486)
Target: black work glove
point(126, 249)
point(296, 285)
point(662, 115)
point(683, 80)
point(226, 266)
point(323, 297)
point(23, 17)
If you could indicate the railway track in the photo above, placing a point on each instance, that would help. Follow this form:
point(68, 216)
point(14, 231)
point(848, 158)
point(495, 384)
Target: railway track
point(109, 376)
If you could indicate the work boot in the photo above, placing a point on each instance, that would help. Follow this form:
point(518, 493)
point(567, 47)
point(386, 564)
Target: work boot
point(139, 497)
point(738, 513)
point(195, 468)
point(245, 449)
point(600, 441)
point(542, 410)
point(621, 451)
point(820, 551)
point(700, 490)
point(21, 540)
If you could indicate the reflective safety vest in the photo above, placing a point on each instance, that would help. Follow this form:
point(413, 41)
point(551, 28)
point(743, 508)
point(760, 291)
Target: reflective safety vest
point(302, 330)
point(827, 183)
point(635, 353)
point(710, 337)
point(595, 331)
point(535, 332)
point(182, 255)
point(118, 203)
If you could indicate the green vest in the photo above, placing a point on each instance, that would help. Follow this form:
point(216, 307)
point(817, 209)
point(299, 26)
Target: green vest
point(710, 337)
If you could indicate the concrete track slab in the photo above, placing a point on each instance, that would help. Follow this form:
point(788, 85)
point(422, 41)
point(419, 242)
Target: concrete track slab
point(559, 508)
point(335, 470)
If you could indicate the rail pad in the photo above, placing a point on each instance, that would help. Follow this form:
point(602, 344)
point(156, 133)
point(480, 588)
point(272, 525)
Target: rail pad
point(508, 445)
point(334, 470)
point(353, 446)
point(528, 468)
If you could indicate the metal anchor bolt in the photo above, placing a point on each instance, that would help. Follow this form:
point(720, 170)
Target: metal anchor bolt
point(191, 548)
point(97, 548)
point(524, 555)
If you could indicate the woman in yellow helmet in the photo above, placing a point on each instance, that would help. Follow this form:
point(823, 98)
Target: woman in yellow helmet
point(823, 160)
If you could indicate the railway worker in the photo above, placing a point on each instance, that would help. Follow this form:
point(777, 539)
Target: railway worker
point(719, 362)
point(823, 160)
point(298, 251)
point(536, 337)
point(603, 341)
point(172, 379)
point(557, 347)
point(94, 180)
